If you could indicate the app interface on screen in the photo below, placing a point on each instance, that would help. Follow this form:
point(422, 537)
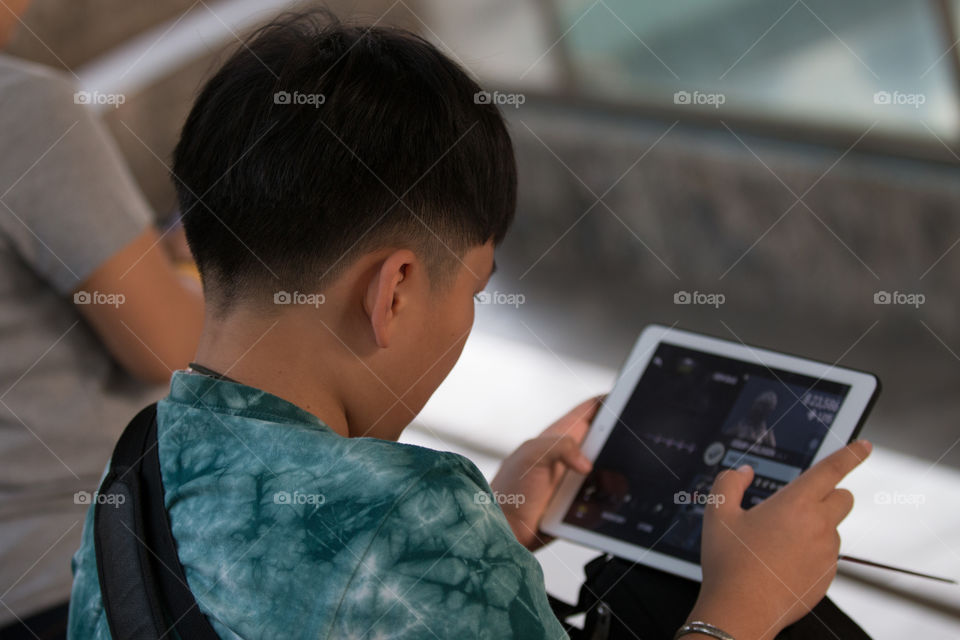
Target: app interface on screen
point(691, 416)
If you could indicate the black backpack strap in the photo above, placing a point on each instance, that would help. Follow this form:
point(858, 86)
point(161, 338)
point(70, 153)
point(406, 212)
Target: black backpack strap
point(597, 621)
point(142, 583)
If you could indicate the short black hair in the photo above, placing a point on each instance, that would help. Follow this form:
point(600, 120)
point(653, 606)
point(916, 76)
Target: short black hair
point(318, 141)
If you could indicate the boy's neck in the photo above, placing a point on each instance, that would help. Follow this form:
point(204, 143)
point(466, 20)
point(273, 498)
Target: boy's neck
point(262, 354)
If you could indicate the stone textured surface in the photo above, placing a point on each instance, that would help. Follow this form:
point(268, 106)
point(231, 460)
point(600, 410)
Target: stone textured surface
point(693, 207)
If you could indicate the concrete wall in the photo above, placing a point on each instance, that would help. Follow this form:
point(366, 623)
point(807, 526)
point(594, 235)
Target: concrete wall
point(694, 206)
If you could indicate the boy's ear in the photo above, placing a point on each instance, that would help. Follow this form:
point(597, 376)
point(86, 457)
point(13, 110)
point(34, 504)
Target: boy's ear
point(387, 294)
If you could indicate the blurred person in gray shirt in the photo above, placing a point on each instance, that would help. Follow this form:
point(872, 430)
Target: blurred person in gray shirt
point(93, 318)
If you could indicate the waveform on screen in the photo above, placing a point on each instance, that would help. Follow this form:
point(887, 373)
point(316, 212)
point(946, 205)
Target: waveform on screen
point(672, 443)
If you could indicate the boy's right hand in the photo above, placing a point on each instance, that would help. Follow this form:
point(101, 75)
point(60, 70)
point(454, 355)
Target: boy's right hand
point(766, 567)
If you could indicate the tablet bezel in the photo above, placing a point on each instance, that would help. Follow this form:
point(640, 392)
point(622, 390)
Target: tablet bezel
point(864, 388)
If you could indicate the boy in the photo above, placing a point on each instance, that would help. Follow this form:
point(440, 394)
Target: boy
point(343, 194)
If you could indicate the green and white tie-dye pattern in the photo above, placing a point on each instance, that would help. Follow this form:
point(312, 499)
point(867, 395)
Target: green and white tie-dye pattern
point(289, 530)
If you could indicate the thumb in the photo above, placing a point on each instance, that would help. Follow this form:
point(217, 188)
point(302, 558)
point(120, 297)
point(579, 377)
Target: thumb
point(730, 486)
point(568, 451)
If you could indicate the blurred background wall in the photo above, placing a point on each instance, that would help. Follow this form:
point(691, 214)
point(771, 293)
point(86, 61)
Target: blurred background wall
point(798, 158)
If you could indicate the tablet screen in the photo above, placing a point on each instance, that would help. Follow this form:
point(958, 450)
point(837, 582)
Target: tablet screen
point(692, 415)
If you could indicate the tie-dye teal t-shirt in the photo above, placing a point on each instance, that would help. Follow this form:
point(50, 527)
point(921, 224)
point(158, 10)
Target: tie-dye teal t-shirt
point(288, 530)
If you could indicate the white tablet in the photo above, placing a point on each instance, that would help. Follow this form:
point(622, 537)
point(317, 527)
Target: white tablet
point(685, 407)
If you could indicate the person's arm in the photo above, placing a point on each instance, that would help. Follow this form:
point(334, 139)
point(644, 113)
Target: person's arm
point(763, 568)
point(147, 315)
point(766, 567)
point(73, 212)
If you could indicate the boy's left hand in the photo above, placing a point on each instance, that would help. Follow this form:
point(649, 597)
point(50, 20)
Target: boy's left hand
point(528, 477)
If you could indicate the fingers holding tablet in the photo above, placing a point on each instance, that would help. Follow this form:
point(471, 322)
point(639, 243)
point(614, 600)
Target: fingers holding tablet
point(782, 552)
point(576, 422)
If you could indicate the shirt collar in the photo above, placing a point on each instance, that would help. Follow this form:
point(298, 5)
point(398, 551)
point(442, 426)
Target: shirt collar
point(196, 390)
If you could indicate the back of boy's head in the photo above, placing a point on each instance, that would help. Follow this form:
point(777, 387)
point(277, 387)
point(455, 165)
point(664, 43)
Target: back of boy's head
point(318, 142)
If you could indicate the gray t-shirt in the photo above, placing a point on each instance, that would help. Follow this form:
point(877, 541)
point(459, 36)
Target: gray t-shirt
point(67, 204)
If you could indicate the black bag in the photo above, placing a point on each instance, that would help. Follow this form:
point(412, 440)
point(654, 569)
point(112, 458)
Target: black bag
point(142, 583)
point(622, 599)
point(597, 613)
point(625, 600)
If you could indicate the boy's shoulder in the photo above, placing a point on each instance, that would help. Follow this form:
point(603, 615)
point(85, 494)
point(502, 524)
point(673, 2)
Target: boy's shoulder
point(240, 430)
point(248, 446)
point(420, 461)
